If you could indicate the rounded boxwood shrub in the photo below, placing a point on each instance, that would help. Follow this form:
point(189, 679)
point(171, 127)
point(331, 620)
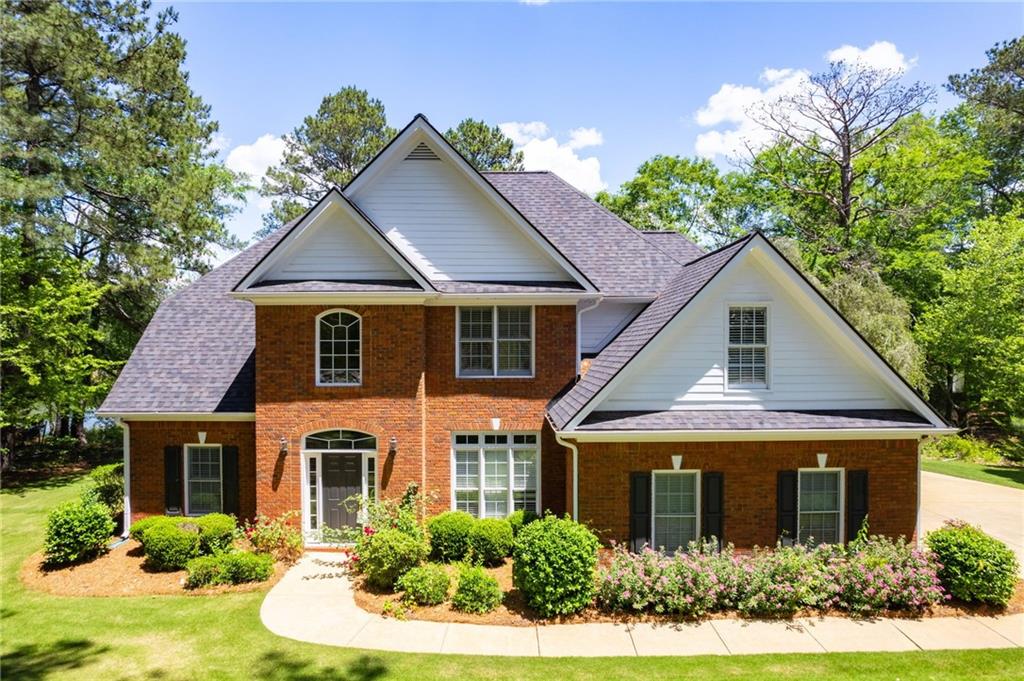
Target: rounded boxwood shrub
point(170, 547)
point(553, 565)
point(387, 555)
point(425, 585)
point(138, 529)
point(477, 591)
point(203, 571)
point(520, 518)
point(449, 535)
point(76, 531)
point(490, 541)
point(228, 568)
point(216, 532)
point(975, 565)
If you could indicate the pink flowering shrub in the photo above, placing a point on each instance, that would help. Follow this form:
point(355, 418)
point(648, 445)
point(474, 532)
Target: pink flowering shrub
point(871, 574)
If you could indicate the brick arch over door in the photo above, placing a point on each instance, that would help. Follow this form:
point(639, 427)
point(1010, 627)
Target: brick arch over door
point(385, 458)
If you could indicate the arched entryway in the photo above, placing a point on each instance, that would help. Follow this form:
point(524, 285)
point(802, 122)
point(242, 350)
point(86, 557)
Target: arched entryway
point(338, 466)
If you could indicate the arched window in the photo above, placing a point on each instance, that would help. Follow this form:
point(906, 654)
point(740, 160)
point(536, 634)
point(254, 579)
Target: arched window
point(339, 349)
point(340, 440)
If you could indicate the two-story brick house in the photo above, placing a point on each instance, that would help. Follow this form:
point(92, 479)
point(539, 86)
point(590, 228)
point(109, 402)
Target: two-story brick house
point(504, 342)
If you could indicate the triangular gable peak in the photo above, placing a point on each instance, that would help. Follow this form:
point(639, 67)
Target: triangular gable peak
point(448, 219)
point(816, 359)
point(334, 242)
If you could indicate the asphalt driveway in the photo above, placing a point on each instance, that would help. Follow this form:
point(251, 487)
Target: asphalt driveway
point(998, 510)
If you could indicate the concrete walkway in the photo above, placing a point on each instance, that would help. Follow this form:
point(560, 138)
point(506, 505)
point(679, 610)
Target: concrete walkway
point(996, 509)
point(313, 602)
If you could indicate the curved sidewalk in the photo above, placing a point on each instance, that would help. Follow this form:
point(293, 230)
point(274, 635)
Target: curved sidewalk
point(313, 602)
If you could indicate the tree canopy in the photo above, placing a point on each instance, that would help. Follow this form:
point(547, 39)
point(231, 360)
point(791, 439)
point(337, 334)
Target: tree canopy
point(485, 147)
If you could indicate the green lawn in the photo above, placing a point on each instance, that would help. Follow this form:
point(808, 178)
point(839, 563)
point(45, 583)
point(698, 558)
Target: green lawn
point(220, 637)
point(1007, 476)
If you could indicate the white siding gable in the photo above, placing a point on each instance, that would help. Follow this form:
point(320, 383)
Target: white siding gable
point(448, 228)
point(810, 365)
point(598, 326)
point(335, 247)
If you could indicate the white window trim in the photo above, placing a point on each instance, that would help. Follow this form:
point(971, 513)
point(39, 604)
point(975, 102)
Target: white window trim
point(185, 463)
point(316, 350)
point(769, 345)
point(317, 454)
point(510, 448)
point(697, 499)
point(842, 500)
point(494, 342)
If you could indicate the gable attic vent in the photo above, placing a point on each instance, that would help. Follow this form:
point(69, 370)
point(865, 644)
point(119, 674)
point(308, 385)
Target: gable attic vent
point(422, 153)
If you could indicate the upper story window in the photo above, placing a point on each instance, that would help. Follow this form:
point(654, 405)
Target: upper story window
point(494, 341)
point(338, 348)
point(748, 347)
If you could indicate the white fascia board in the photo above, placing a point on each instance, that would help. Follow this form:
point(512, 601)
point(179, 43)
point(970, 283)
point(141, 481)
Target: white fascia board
point(752, 435)
point(179, 416)
point(788, 277)
point(333, 198)
point(331, 298)
point(420, 130)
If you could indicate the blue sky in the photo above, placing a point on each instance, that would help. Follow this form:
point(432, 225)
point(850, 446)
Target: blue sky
point(604, 86)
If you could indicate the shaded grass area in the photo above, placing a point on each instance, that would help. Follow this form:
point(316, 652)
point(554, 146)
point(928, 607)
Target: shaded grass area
point(221, 637)
point(1007, 476)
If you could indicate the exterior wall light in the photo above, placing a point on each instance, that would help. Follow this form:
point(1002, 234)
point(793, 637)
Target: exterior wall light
point(284, 445)
point(677, 461)
point(392, 445)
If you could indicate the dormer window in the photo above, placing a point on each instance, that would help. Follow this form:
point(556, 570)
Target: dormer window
point(338, 348)
point(494, 341)
point(748, 347)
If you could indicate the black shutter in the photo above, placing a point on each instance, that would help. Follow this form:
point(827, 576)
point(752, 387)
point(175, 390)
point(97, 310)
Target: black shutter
point(639, 510)
point(712, 507)
point(786, 505)
point(856, 502)
point(172, 479)
point(229, 479)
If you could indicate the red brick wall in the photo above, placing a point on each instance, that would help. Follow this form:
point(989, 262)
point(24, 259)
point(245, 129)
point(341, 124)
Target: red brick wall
point(750, 470)
point(148, 439)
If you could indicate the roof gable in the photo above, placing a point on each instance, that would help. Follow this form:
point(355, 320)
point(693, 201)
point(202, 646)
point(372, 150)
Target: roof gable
point(448, 220)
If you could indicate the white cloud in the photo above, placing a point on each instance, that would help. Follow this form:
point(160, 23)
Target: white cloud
point(219, 142)
point(728, 110)
point(534, 2)
point(542, 151)
point(254, 159)
point(881, 55)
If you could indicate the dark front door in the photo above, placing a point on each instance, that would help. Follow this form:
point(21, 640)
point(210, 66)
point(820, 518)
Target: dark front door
point(342, 479)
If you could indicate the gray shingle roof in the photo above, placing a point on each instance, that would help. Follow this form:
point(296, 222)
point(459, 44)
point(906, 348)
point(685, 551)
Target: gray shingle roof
point(611, 253)
point(687, 283)
point(675, 244)
point(745, 419)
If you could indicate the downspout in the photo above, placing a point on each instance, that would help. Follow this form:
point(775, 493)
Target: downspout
point(579, 337)
point(575, 474)
point(126, 445)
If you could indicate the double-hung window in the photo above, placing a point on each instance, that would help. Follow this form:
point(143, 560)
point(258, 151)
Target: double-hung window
point(748, 347)
point(495, 473)
point(674, 508)
point(203, 479)
point(495, 341)
point(820, 503)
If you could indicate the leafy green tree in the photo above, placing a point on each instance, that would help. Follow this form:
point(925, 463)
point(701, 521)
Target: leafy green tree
point(106, 159)
point(994, 112)
point(485, 147)
point(975, 330)
point(326, 150)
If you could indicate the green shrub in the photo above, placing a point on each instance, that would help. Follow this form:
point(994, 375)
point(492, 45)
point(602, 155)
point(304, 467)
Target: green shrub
point(520, 518)
point(76, 531)
point(238, 567)
point(962, 448)
point(140, 527)
point(387, 555)
point(490, 541)
point(449, 535)
point(170, 547)
point(216, 532)
point(553, 565)
point(425, 585)
point(477, 591)
point(277, 536)
point(975, 566)
point(107, 485)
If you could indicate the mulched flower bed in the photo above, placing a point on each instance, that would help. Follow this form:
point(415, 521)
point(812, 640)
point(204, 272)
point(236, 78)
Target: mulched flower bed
point(120, 572)
point(514, 611)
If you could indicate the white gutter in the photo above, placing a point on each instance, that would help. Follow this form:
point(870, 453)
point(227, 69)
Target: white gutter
point(747, 435)
point(126, 447)
point(575, 474)
point(579, 339)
